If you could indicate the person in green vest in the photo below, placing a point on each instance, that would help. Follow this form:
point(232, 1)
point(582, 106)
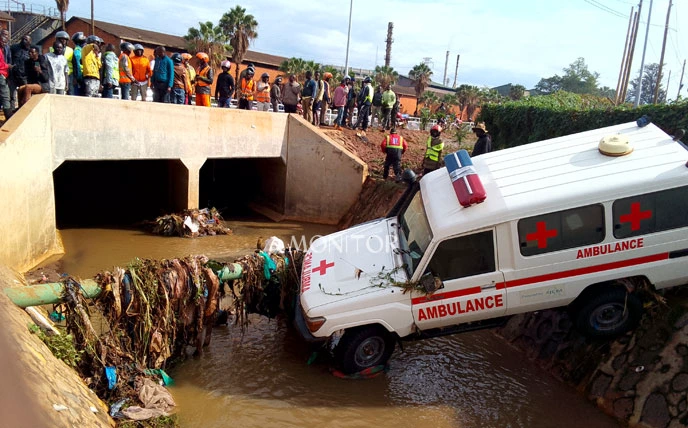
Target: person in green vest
point(433, 151)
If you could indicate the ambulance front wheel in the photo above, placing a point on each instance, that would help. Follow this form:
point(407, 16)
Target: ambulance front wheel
point(609, 313)
point(363, 348)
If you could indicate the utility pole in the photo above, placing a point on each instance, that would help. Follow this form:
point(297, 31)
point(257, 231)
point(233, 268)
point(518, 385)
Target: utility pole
point(348, 39)
point(680, 83)
point(446, 61)
point(661, 57)
point(388, 52)
point(631, 53)
point(642, 60)
point(456, 72)
point(93, 22)
point(623, 59)
point(667, 86)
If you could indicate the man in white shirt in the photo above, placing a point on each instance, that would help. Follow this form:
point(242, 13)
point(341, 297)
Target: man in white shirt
point(60, 71)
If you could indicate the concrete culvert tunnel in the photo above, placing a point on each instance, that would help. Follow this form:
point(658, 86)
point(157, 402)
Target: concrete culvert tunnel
point(237, 186)
point(118, 193)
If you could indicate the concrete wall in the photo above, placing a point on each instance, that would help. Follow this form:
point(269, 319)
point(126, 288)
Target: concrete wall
point(311, 178)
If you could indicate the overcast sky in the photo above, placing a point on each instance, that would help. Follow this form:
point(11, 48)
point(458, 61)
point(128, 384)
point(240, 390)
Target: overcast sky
point(499, 41)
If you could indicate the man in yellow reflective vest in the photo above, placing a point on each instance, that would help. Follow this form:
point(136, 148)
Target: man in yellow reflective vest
point(433, 151)
point(393, 146)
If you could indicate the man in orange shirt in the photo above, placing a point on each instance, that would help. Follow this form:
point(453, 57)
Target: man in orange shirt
point(204, 78)
point(141, 69)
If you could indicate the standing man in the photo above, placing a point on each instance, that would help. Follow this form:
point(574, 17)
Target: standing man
point(389, 98)
point(433, 150)
point(340, 103)
point(484, 143)
point(263, 92)
point(20, 53)
point(308, 93)
point(90, 66)
point(141, 70)
point(326, 97)
point(4, 75)
point(126, 77)
point(60, 70)
point(180, 87)
point(76, 86)
point(109, 73)
point(376, 105)
point(393, 146)
point(204, 78)
point(247, 88)
point(276, 94)
point(224, 86)
point(163, 76)
point(68, 53)
point(365, 99)
point(191, 74)
point(291, 95)
point(350, 103)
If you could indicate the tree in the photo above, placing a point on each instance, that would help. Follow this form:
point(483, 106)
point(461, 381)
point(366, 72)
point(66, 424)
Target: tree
point(516, 92)
point(468, 97)
point(420, 74)
point(577, 79)
point(295, 66)
point(209, 39)
point(241, 30)
point(385, 76)
point(62, 6)
point(649, 85)
point(429, 99)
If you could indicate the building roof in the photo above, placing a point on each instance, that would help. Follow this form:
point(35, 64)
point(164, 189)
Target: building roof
point(137, 35)
point(263, 58)
point(556, 174)
point(4, 16)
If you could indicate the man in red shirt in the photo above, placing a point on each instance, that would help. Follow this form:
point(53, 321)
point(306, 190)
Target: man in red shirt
point(394, 146)
point(4, 75)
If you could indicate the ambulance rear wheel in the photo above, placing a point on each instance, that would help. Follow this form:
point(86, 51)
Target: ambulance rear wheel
point(609, 313)
point(363, 348)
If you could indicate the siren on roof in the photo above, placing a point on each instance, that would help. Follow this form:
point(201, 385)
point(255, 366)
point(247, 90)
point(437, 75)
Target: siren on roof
point(615, 145)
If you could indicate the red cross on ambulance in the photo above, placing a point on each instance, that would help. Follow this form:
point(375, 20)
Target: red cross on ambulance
point(635, 216)
point(322, 267)
point(542, 234)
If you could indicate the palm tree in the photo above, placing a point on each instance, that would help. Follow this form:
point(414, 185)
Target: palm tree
point(295, 66)
point(209, 39)
point(62, 6)
point(385, 76)
point(420, 74)
point(429, 99)
point(240, 29)
point(467, 97)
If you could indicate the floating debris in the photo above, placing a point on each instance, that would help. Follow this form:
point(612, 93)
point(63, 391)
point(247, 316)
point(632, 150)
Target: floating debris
point(190, 224)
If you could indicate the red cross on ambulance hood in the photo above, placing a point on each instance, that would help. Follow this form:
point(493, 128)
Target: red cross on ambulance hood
point(349, 263)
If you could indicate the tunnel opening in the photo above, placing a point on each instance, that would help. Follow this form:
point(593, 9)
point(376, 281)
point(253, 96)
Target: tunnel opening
point(118, 193)
point(241, 187)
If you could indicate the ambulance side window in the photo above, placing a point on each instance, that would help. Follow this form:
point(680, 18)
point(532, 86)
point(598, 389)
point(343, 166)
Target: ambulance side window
point(651, 212)
point(464, 256)
point(561, 230)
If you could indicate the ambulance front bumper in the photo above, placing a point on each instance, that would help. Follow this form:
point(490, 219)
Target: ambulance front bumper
point(300, 324)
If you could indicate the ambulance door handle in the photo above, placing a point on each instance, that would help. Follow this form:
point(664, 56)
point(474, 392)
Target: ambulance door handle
point(488, 286)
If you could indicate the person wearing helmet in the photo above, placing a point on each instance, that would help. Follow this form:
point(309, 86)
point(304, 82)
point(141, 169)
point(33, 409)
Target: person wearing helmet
point(263, 92)
point(76, 86)
point(247, 89)
point(276, 94)
point(163, 76)
point(393, 146)
point(126, 77)
point(433, 150)
point(141, 71)
point(68, 53)
point(326, 97)
point(180, 86)
point(191, 75)
point(109, 72)
point(224, 86)
point(204, 78)
point(365, 99)
point(90, 67)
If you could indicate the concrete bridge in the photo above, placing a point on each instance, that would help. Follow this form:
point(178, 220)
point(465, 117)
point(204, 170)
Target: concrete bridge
point(84, 161)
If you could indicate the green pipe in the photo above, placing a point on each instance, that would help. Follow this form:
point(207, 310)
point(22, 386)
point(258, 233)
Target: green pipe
point(51, 293)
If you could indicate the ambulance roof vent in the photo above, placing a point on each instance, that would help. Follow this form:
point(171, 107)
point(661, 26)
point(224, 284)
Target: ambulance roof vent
point(615, 145)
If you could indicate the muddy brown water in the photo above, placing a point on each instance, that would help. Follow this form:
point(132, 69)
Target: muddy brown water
point(262, 379)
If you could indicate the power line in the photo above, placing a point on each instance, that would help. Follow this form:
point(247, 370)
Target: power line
point(605, 8)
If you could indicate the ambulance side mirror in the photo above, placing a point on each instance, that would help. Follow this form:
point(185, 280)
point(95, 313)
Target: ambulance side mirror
point(430, 283)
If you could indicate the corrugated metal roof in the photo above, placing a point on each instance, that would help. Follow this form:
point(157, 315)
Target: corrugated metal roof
point(137, 35)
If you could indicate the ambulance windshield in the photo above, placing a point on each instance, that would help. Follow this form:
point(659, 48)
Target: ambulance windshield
point(415, 232)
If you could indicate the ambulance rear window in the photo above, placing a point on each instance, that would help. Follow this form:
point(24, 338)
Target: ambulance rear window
point(651, 212)
point(561, 230)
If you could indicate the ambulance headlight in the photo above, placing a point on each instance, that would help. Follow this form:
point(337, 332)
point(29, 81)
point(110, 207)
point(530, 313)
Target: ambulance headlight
point(315, 323)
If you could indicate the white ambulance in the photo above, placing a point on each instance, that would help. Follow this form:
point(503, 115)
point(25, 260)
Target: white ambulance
point(563, 224)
